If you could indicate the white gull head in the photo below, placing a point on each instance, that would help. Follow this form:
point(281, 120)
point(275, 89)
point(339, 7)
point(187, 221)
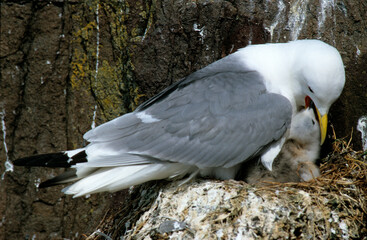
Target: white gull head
point(300, 70)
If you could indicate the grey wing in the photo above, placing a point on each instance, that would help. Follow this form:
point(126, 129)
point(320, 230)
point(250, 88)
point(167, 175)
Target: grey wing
point(210, 119)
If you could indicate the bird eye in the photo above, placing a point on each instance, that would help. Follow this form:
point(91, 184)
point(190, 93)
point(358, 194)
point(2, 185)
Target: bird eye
point(310, 89)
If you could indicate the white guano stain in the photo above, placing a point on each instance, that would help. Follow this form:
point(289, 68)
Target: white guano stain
point(344, 228)
point(325, 7)
point(93, 125)
point(278, 18)
point(201, 31)
point(358, 52)
point(8, 165)
point(362, 128)
point(326, 10)
point(297, 18)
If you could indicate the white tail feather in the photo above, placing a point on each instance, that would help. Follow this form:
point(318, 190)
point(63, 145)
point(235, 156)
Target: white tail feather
point(118, 178)
point(74, 152)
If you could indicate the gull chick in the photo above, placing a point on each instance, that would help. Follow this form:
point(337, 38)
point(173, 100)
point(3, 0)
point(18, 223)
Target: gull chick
point(296, 160)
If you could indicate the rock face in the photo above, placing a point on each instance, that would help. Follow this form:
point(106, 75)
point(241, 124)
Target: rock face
point(68, 65)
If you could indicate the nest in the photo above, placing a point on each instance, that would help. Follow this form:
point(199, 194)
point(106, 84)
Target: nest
point(342, 186)
point(339, 194)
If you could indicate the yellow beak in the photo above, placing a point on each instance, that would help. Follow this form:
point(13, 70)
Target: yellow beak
point(323, 125)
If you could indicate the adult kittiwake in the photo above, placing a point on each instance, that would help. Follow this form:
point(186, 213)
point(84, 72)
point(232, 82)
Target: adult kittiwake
point(209, 123)
point(296, 160)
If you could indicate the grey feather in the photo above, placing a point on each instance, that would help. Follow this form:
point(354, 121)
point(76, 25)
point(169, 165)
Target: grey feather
point(213, 122)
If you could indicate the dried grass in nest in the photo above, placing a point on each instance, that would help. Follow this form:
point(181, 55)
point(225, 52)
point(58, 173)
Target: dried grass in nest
point(343, 183)
point(341, 168)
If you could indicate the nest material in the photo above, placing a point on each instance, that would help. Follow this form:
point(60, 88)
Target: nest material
point(332, 206)
point(341, 189)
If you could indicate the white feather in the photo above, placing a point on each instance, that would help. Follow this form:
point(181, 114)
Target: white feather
point(268, 157)
point(117, 178)
point(71, 153)
point(146, 118)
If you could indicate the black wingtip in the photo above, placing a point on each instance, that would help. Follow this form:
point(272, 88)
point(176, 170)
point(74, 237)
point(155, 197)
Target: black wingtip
point(47, 183)
point(65, 177)
point(52, 160)
point(44, 160)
